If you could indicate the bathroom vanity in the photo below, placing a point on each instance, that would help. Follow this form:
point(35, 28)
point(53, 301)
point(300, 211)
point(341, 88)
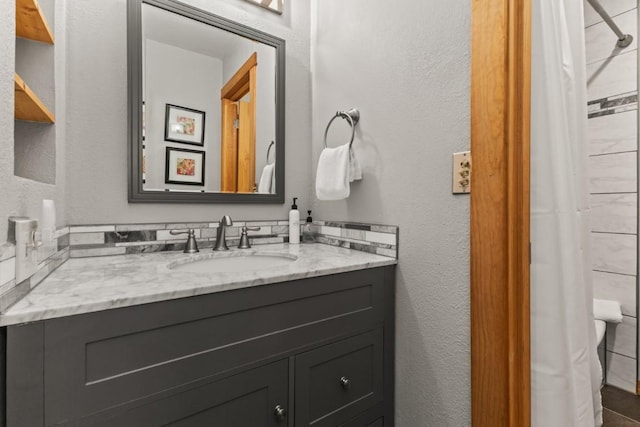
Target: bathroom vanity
point(130, 341)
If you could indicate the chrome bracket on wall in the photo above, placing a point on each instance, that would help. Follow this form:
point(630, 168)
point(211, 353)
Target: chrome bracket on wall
point(352, 116)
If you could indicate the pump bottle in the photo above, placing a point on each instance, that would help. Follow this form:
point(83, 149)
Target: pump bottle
point(294, 223)
point(307, 231)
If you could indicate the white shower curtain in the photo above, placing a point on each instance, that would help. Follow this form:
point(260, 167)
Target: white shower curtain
point(565, 372)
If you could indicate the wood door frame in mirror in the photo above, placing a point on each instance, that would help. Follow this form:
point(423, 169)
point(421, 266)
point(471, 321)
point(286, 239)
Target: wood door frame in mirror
point(238, 137)
point(136, 193)
point(500, 212)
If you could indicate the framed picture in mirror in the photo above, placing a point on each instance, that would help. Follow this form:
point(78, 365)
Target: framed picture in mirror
point(184, 125)
point(184, 166)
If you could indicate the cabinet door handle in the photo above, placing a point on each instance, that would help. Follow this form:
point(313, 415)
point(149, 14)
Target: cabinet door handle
point(345, 383)
point(280, 413)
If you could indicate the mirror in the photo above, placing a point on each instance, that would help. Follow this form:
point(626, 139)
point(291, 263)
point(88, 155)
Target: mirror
point(206, 107)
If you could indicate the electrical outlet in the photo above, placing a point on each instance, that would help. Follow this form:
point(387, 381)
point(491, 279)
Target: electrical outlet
point(461, 181)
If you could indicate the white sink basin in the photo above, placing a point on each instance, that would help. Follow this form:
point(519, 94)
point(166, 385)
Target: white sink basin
point(232, 262)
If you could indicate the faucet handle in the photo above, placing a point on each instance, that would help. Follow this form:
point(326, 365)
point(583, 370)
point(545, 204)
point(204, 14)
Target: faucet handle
point(191, 246)
point(244, 239)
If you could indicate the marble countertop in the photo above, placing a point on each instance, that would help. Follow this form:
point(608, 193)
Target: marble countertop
point(84, 285)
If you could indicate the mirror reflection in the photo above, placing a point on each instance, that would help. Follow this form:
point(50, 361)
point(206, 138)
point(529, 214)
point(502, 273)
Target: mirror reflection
point(208, 108)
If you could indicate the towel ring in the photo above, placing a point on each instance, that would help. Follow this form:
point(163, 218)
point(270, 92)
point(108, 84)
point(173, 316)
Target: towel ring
point(269, 150)
point(352, 116)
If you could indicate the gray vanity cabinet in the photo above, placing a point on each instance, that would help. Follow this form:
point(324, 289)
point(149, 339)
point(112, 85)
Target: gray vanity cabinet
point(316, 351)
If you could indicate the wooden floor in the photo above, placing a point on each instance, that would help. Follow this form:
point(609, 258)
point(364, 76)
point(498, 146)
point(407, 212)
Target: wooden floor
point(621, 408)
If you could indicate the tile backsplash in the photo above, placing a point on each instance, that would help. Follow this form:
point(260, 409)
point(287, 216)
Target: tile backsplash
point(372, 238)
point(48, 260)
point(121, 239)
point(79, 241)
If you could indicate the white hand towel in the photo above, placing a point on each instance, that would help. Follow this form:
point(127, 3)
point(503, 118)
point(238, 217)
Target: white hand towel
point(606, 310)
point(334, 173)
point(267, 181)
point(355, 173)
point(272, 189)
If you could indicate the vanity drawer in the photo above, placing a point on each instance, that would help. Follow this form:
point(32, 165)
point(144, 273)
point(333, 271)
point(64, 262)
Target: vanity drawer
point(245, 399)
point(338, 381)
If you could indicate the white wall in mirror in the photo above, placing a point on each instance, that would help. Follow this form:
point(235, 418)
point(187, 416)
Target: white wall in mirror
point(188, 79)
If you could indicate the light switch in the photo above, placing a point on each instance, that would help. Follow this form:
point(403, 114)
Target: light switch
point(461, 181)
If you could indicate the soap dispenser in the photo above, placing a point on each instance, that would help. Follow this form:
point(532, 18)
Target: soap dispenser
point(307, 231)
point(294, 223)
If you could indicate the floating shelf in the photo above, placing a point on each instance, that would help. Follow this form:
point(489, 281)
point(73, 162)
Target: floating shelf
point(28, 106)
point(30, 22)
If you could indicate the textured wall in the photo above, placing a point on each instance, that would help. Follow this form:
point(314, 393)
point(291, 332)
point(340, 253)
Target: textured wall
point(612, 91)
point(19, 196)
point(8, 194)
point(405, 65)
point(97, 105)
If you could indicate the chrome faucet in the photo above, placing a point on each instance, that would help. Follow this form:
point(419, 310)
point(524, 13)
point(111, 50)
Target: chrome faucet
point(221, 242)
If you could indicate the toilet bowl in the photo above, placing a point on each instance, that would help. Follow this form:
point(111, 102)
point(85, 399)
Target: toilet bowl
point(604, 311)
point(601, 327)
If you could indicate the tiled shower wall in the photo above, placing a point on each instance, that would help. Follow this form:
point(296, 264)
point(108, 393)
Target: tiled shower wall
point(612, 93)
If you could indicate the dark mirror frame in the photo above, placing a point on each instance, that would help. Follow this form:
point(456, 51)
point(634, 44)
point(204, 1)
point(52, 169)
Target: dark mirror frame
point(134, 57)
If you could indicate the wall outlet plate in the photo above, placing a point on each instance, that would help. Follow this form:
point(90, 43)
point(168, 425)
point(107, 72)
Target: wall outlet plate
point(461, 179)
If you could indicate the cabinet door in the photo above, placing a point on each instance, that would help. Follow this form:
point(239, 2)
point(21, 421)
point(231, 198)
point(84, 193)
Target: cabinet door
point(336, 382)
point(246, 399)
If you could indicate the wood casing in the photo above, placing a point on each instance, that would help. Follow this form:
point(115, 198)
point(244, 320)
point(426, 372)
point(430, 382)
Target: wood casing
point(500, 123)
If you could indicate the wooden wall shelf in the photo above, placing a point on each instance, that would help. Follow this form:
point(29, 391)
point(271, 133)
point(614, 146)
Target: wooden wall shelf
point(30, 22)
point(28, 106)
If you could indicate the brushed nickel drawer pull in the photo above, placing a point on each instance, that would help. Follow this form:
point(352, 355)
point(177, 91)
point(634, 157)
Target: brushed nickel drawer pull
point(280, 413)
point(345, 383)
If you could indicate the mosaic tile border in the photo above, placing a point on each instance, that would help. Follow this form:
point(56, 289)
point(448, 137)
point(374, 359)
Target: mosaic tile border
point(371, 238)
point(615, 104)
point(122, 239)
point(49, 260)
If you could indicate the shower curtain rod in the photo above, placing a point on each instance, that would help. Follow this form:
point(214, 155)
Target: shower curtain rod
point(624, 40)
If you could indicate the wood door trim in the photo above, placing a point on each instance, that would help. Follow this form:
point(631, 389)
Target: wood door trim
point(239, 83)
point(239, 152)
point(228, 148)
point(500, 303)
